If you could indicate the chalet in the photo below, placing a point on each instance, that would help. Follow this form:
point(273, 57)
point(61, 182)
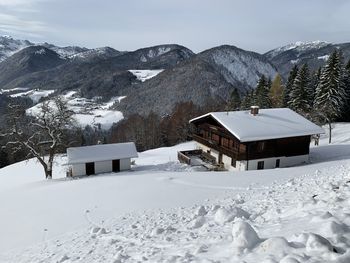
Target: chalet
point(100, 158)
point(255, 139)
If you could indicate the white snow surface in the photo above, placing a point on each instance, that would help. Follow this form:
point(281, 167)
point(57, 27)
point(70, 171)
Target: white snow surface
point(268, 124)
point(89, 111)
point(325, 57)
point(163, 211)
point(35, 95)
point(143, 75)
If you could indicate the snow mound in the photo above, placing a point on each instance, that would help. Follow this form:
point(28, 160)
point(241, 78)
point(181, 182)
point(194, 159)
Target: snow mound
point(316, 243)
point(224, 215)
point(244, 235)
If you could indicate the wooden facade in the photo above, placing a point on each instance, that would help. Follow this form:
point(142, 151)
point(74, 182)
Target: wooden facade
point(213, 135)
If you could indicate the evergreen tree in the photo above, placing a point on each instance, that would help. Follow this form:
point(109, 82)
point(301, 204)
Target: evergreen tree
point(261, 94)
point(276, 92)
point(292, 75)
point(248, 100)
point(331, 92)
point(346, 111)
point(299, 99)
point(315, 79)
point(235, 100)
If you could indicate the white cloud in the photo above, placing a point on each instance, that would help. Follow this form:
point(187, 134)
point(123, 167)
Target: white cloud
point(13, 24)
point(16, 3)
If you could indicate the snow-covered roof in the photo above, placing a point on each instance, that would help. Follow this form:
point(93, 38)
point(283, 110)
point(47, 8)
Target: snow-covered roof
point(101, 152)
point(268, 124)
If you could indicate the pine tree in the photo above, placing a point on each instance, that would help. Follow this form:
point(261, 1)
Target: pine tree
point(315, 79)
point(276, 92)
point(346, 111)
point(331, 92)
point(299, 99)
point(235, 100)
point(247, 101)
point(292, 75)
point(261, 94)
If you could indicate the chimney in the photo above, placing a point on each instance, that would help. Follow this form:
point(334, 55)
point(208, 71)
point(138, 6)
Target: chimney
point(254, 110)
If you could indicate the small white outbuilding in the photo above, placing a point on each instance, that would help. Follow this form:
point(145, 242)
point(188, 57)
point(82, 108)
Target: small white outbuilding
point(102, 158)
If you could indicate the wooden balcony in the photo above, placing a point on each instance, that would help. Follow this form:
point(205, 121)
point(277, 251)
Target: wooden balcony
point(215, 145)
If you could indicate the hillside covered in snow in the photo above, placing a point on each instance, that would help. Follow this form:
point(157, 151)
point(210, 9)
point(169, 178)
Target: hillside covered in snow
point(164, 211)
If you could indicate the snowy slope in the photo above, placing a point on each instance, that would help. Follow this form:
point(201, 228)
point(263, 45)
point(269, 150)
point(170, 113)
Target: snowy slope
point(9, 46)
point(298, 46)
point(145, 74)
point(163, 211)
point(239, 66)
point(87, 111)
point(34, 95)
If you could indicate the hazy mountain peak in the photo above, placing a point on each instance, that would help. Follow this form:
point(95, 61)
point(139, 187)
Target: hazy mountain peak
point(297, 46)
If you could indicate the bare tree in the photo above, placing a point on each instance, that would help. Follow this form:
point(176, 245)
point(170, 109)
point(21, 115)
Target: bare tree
point(41, 135)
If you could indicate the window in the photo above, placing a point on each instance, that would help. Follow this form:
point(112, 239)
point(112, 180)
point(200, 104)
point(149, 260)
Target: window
point(215, 137)
point(260, 165)
point(277, 163)
point(231, 144)
point(225, 142)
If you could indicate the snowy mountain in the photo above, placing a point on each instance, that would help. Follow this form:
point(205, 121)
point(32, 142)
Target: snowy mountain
point(27, 61)
point(164, 211)
point(298, 46)
point(9, 46)
point(239, 67)
point(315, 54)
point(207, 78)
point(65, 52)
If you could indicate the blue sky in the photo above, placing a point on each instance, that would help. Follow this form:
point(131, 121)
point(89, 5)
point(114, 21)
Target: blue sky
point(257, 25)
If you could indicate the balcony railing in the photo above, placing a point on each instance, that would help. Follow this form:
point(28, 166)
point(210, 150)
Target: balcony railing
point(215, 145)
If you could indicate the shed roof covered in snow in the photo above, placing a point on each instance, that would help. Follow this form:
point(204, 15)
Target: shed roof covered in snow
point(101, 152)
point(267, 124)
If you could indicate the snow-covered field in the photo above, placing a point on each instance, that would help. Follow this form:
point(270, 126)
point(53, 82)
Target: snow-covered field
point(163, 211)
point(143, 75)
point(89, 111)
point(34, 95)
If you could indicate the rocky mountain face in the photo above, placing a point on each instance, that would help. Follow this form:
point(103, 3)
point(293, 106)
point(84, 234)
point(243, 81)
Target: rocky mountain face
point(28, 60)
point(192, 80)
point(315, 54)
point(239, 67)
point(206, 78)
point(9, 46)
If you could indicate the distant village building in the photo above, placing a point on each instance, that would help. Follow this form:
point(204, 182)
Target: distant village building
point(102, 158)
point(255, 139)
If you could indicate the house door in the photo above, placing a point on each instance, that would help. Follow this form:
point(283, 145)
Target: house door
point(116, 165)
point(260, 165)
point(90, 168)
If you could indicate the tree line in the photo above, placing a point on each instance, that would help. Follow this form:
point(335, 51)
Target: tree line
point(322, 96)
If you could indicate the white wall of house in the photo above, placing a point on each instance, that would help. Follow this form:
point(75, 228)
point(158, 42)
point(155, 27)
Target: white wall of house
point(125, 164)
point(78, 169)
point(101, 167)
point(269, 163)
